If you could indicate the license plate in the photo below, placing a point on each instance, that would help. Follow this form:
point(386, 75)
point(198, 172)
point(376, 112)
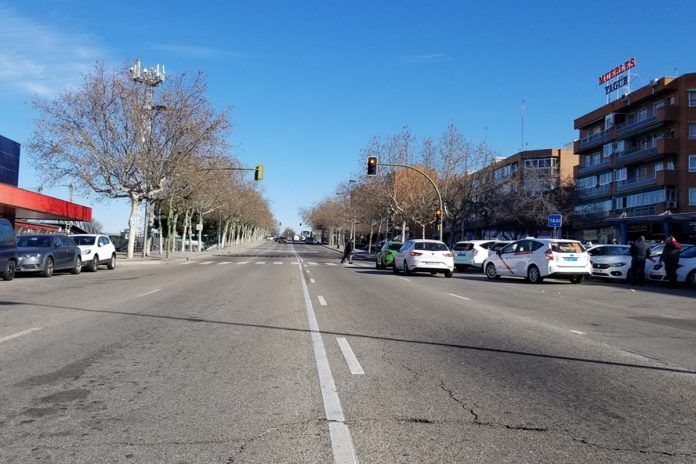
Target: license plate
point(461, 254)
point(571, 259)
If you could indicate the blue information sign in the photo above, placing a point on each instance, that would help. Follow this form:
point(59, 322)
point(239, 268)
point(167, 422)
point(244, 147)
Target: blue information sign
point(555, 220)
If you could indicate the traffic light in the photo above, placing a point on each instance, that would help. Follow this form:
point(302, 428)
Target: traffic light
point(371, 165)
point(258, 172)
point(438, 215)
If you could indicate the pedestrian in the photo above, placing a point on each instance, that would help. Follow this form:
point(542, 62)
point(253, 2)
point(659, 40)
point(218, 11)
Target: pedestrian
point(614, 241)
point(670, 259)
point(639, 251)
point(348, 252)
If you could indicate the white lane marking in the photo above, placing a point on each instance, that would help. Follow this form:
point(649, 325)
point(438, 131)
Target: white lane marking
point(243, 262)
point(221, 263)
point(312, 263)
point(313, 281)
point(260, 262)
point(206, 262)
point(577, 332)
point(277, 262)
point(187, 262)
point(459, 296)
point(341, 441)
point(353, 364)
point(19, 334)
point(364, 265)
point(404, 278)
point(330, 264)
point(322, 301)
point(149, 293)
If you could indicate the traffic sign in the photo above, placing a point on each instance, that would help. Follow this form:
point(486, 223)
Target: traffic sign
point(555, 220)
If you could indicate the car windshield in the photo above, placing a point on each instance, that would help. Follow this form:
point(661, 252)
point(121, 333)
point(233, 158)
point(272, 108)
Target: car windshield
point(431, 246)
point(395, 246)
point(616, 251)
point(83, 239)
point(463, 247)
point(689, 252)
point(566, 247)
point(34, 241)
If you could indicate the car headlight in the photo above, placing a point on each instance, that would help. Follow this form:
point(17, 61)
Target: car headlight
point(618, 264)
point(86, 252)
point(33, 256)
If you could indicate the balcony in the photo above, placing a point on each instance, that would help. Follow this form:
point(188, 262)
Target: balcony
point(635, 184)
point(624, 129)
point(601, 191)
point(667, 177)
point(665, 146)
point(594, 140)
point(667, 114)
point(668, 146)
point(582, 170)
point(647, 210)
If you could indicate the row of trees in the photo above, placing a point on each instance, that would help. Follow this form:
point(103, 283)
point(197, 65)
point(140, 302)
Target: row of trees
point(113, 137)
point(398, 198)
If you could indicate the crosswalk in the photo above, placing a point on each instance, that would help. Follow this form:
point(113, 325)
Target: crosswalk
point(273, 263)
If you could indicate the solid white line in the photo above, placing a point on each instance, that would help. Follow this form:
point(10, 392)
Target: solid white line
point(149, 293)
point(322, 301)
point(458, 296)
point(404, 278)
point(312, 263)
point(260, 262)
point(19, 334)
point(577, 332)
point(224, 262)
point(277, 262)
point(364, 265)
point(243, 262)
point(187, 262)
point(330, 264)
point(313, 281)
point(341, 441)
point(353, 364)
point(207, 262)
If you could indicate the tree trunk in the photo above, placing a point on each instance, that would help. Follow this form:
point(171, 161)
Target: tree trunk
point(200, 230)
point(183, 235)
point(403, 231)
point(423, 231)
point(369, 245)
point(172, 239)
point(133, 224)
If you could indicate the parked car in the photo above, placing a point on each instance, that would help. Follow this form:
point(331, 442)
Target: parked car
point(538, 258)
point(471, 254)
point(96, 249)
point(424, 255)
point(282, 240)
point(610, 261)
point(385, 256)
point(8, 250)
point(686, 272)
point(309, 241)
point(47, 253)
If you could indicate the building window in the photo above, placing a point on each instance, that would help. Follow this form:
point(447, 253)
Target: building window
point(658, 104)
point(692, 163)
point(596, 158)
point(692, 130)
point(621, 174)
point(607, 150)
point(645, 198)
point(605, 178)
point(692, 97)
point(692, 196)
point(586, 182)
point(642, 113)
point(659, 166)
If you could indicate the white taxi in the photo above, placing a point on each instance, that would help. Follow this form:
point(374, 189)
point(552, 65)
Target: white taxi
point(424, 255)
point(538, 258)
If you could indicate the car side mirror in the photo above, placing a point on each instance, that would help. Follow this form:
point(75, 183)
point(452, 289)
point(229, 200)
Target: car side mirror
point(99, 244)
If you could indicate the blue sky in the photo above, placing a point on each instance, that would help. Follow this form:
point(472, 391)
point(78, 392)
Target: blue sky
point(310, 82)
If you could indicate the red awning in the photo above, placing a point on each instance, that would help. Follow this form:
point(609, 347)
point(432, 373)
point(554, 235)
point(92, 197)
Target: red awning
point(32, 225)
point(23, 204)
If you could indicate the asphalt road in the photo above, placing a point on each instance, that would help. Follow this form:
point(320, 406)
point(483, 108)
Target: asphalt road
point(279, 354)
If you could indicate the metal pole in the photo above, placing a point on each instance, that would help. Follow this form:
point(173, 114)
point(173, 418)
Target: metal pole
point(147, 203)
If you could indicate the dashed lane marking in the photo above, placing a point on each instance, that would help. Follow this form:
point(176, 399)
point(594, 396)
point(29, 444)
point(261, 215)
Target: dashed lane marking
point(206, 262)
point(221, 263)
point(19, 334)
point(260, 262)
point(313, 281)
point(577, 332)
point(459, 296)
point(277, 262)
point(243, 262)
point(322, 301)
point(404, 278)
point(351, 359)
point(149, 293)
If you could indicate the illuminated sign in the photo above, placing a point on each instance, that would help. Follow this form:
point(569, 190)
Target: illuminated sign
point(620, 69)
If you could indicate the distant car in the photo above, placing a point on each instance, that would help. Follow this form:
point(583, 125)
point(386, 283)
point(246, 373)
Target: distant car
point(610, 261)
point(538, 258)
point(471, 254)
point(8, 250)
point(282, 240)
point(47, 253)
point(95, 250)
point(686, 272)
point(424, 256)
point(309, 241)
point(385, 255)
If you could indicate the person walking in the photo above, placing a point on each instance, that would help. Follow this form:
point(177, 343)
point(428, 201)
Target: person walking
point(670, 259)
point(639, 251)
point(348, 252)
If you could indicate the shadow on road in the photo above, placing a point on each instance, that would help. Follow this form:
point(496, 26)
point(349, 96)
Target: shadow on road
point(364, 336)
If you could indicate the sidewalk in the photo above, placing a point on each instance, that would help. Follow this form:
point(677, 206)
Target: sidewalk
point(178, 256)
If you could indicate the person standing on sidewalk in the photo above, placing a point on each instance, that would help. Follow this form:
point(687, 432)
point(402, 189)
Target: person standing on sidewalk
point(670, 259)
point(640, 251)
point(348, 252)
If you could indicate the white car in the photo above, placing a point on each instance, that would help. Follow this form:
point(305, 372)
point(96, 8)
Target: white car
point(610, 261)
point(96, 249)
point(538, 258)
point(686, 270)
point(424, 255)
point(471, 253)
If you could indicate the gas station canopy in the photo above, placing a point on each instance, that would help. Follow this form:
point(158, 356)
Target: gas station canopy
point(23, 204)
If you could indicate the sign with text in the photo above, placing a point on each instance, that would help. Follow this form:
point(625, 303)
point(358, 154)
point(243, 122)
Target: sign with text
point(555, 220)
point(614, 79)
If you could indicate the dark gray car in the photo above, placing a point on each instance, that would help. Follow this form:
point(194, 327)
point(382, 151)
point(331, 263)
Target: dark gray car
point(8, 250)
point(47, 253)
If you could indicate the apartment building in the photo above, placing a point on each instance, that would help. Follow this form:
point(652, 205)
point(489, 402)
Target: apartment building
point(637, 170)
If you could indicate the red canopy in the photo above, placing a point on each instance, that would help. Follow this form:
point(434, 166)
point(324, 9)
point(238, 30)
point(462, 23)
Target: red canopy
point(23, 204)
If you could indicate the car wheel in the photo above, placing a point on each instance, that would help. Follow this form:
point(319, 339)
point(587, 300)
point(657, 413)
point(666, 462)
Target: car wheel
point(460, 267)
point(9, 270)
point(491, 273)
point(47, 271)
point(77, 268)
point(395, 269)
point(691, 279)
point(577, 279)
point(94, 265)
point(407, 271)
point(112, 262)
point(533, 275)
point(448, 274)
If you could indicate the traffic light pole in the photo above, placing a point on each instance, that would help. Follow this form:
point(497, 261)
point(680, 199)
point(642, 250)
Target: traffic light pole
point(437, 190)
